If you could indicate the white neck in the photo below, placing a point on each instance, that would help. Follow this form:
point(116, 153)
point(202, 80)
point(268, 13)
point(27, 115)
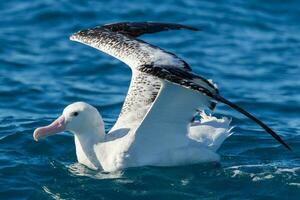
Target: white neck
point(84, 143)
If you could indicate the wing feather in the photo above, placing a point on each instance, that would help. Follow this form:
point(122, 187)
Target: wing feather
point(186, 80)
point(150, 65)
point(118, 40)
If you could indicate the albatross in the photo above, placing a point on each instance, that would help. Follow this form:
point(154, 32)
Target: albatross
point(156, 125)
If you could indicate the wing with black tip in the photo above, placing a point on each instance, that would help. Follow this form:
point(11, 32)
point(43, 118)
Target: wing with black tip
point(119, 40)
point(184, 79)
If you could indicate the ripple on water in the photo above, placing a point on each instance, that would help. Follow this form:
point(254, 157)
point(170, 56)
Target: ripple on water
point(249, 48)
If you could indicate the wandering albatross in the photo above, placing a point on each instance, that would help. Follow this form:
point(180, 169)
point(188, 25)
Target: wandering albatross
point(154, 126)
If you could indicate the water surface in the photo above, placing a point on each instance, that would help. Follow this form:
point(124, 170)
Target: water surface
point(250, 48)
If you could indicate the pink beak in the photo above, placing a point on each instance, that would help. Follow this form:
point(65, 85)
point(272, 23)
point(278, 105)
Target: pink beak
point(55, 127)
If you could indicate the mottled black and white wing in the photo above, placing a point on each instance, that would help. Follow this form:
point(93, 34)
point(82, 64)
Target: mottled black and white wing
point(118, 40)
point(186, 79)
point(160, 80)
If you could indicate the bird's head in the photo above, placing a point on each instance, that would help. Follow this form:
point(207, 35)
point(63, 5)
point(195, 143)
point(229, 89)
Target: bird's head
point(78, 118)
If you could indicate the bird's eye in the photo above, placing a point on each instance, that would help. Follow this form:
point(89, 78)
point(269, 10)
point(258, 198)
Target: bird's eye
point(75, 113)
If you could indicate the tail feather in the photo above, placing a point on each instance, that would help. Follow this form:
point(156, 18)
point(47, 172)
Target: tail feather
point(210, 131)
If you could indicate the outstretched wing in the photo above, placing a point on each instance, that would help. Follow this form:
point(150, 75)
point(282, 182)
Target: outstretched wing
point(149, 65)
point(118, 40)
point(168, 117)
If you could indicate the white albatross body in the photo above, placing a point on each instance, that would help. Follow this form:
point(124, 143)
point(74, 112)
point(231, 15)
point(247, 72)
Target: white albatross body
point(155, 126)
point(122, 148)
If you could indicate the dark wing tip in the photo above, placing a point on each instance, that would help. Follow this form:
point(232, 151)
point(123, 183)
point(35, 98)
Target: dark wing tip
point(250, 116)
point(136, 29)
point(133, 29)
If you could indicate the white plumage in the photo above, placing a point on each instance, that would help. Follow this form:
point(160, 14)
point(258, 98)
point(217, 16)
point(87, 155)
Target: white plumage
point(155, 126)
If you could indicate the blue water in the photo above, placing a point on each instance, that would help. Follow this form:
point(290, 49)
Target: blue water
point(250, 48)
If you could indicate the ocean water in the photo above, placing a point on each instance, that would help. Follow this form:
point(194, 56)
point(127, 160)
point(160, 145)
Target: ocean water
point(251, 49)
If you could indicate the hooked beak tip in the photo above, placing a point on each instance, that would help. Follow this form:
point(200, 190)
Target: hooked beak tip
point(35, 135)
point(55, 127)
